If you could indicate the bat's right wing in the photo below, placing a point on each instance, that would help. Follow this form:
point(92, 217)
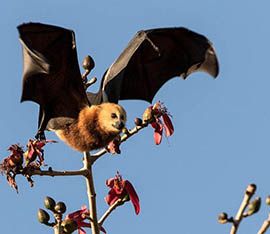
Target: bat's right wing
point(51, 74)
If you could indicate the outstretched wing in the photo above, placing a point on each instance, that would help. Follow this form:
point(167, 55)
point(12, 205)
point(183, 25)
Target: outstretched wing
point(152, 58)
point(51, 75)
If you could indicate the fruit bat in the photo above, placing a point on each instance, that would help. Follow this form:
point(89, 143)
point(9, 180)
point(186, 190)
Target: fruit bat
point(87, 121)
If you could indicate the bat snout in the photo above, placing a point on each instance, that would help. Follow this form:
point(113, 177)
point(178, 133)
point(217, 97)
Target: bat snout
point(119, 125)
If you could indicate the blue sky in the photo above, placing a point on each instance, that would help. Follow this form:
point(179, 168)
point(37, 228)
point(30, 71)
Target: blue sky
point(221, 140)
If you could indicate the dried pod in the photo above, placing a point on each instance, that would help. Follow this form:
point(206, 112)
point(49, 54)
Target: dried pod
point(138, 121)
point(43, 216)
point(49, 203)
point(60, 207)
point(88, 63)
point(223, 218)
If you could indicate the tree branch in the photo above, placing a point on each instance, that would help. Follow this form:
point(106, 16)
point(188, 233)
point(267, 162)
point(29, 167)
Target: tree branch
point(82, 172)
point(265, 226)
point(239, 216)
point(91, 193)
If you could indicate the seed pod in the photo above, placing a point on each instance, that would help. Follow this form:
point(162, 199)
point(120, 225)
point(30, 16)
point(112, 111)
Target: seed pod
point(43, 216)
point(49, 203)
point(60, 207)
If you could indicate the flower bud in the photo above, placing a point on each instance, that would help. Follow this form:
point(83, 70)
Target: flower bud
point(43, 216)
point(251, 189)
point(254, 206)
point(69, 225)
point(138, 121)
point(49, 203)
point(223, 218)
point(148, 115)
point(88, 63)
point(60, 207)
point(267, 200)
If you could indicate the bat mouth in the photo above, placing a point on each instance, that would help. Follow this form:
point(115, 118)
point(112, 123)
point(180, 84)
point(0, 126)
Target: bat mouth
point(119, 126)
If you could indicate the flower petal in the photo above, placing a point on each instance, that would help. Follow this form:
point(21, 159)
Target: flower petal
point(110, 182)
point(133, 196)
point(169, 129)
point(158, 133)
point(112, 197)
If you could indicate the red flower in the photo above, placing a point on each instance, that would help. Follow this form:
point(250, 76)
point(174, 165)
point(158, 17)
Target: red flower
point(15, 159)
point(12, 164)
point(34, 150)
point(160, 111)
point(79, 216)
point(121, 189)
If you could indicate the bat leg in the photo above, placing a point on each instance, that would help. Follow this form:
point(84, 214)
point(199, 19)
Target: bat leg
point(42, 123)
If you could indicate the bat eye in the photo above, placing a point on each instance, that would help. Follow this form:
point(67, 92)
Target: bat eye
point(114, 116)
point(122, 117)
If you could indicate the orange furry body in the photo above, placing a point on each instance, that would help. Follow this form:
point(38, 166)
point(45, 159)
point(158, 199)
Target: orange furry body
point(94, 128)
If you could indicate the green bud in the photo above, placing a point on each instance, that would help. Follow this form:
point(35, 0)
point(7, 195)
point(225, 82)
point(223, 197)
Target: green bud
point(60, 207)
point(43, 216)
point(49, 203)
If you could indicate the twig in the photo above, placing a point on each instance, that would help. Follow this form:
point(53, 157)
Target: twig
point(265, 226)
point(109, 211)
point(52, 173)
point(91, 193)
point(239, 216)
point(58, 229)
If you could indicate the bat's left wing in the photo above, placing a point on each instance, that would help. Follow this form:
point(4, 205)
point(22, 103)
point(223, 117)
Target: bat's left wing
point(152, 58)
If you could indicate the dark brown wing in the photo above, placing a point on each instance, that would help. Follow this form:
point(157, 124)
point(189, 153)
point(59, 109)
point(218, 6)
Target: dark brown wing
point(51, 75)
point(152, 58)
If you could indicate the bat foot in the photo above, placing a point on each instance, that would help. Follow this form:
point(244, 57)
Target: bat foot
point(40, 136)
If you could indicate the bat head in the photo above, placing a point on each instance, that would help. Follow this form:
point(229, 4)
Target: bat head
point(112, 118)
